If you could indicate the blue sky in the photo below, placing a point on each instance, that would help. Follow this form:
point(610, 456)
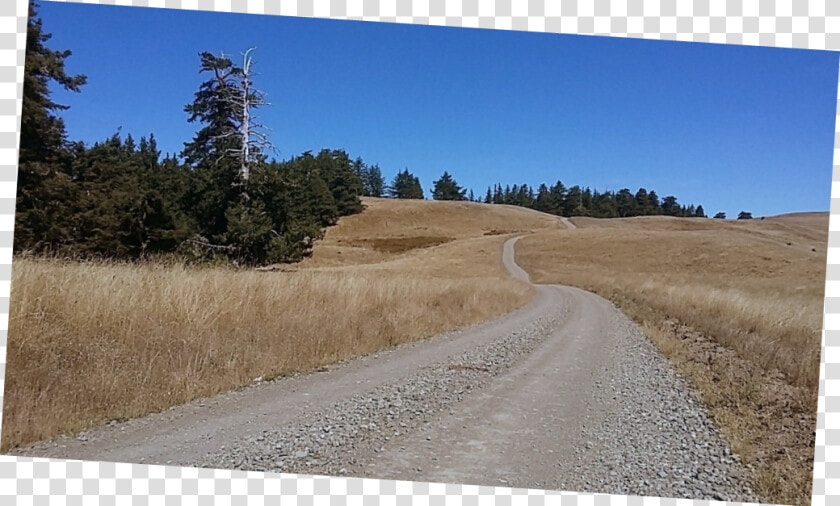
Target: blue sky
point(729, 127)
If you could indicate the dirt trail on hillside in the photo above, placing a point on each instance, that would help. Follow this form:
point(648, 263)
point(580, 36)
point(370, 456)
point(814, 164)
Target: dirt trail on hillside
point(566, 393)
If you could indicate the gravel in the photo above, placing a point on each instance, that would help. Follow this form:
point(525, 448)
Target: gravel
point(655, 437)
point(329, 441)
point(645, 432)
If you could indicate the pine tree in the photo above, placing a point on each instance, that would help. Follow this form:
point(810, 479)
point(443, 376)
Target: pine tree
point(669, 206)
point(586, 201)
point(250, 211)
point(303, 192)
point(557, 198)
point(216, 184)
point(654, 206)
point(643, 206)
point(720, 215)
point(573, 202)
point(498, 196)
point(543, 200)
point(374, 182)
point(336, 169)
point(513, 197)
point(626, 203)
point(126, 206)
point(744, 215)
point(446, 188)
point(361, 171)
point(406, 186)
point(44, 191)
point(523, 196)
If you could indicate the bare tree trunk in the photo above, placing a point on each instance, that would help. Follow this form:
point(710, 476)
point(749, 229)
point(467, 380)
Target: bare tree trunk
point(246, 115)
point(253, 139)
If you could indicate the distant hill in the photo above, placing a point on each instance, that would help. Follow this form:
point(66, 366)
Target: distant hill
point(388, 228)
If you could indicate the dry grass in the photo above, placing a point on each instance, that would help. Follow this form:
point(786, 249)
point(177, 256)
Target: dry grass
point(391, 227)
point(400, 244)
point(93, 342)
point(736, 306)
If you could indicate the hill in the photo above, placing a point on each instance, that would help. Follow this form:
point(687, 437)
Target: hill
point(390, 228)
point(736, 305)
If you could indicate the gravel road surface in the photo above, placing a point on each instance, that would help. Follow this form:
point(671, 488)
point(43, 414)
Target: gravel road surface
point(564, 394)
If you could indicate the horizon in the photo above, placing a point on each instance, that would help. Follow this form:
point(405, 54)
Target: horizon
point(691, 116)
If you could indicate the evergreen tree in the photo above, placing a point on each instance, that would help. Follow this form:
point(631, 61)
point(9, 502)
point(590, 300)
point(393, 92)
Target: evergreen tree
point(543, 200)
point(336, 169)
point(498, 196)
point(699, 213)
point(374, 182)
point(605, 205)
point(126, 206)
point(250, 211)
point(557, 200)
point(44, 190)
point(285, 215)
point(573, 203)
point(489, 197)
point(446, 188)
point(406, 186)
point(586, 201)
point(626, 203)
point(361, 171)
point(720, 215)
point(643, 204)
point(523, 196)
point(669, 206)
point(744, 215)
point(513, 196)
point(303, 192)
point(216, 183)
point(654, 207)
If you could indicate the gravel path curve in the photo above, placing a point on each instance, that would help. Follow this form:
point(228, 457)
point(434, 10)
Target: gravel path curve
point(566, 393)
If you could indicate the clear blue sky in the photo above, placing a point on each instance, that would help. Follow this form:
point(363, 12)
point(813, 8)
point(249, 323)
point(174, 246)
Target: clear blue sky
point(729, 127)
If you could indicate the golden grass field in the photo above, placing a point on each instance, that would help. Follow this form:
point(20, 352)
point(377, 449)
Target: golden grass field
point(737, 307)
point(93, 342)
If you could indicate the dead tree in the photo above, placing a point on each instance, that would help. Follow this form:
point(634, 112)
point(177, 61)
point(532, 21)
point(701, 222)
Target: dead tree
point(253, 137)
point(253, 140)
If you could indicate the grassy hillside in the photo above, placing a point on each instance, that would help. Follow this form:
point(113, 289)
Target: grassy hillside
point(92, 342)
point(737, 307)
point(389, 228)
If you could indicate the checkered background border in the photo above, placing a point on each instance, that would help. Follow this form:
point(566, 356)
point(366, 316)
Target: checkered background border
point(800, 24)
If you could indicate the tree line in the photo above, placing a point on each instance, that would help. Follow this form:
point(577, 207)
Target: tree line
point(559, 200)
point(221, 197)
point(572, 201)
point(577, 201)
point(556, 199)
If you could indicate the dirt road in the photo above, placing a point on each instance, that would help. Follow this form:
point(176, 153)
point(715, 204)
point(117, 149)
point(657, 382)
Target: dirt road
point(565, 393)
